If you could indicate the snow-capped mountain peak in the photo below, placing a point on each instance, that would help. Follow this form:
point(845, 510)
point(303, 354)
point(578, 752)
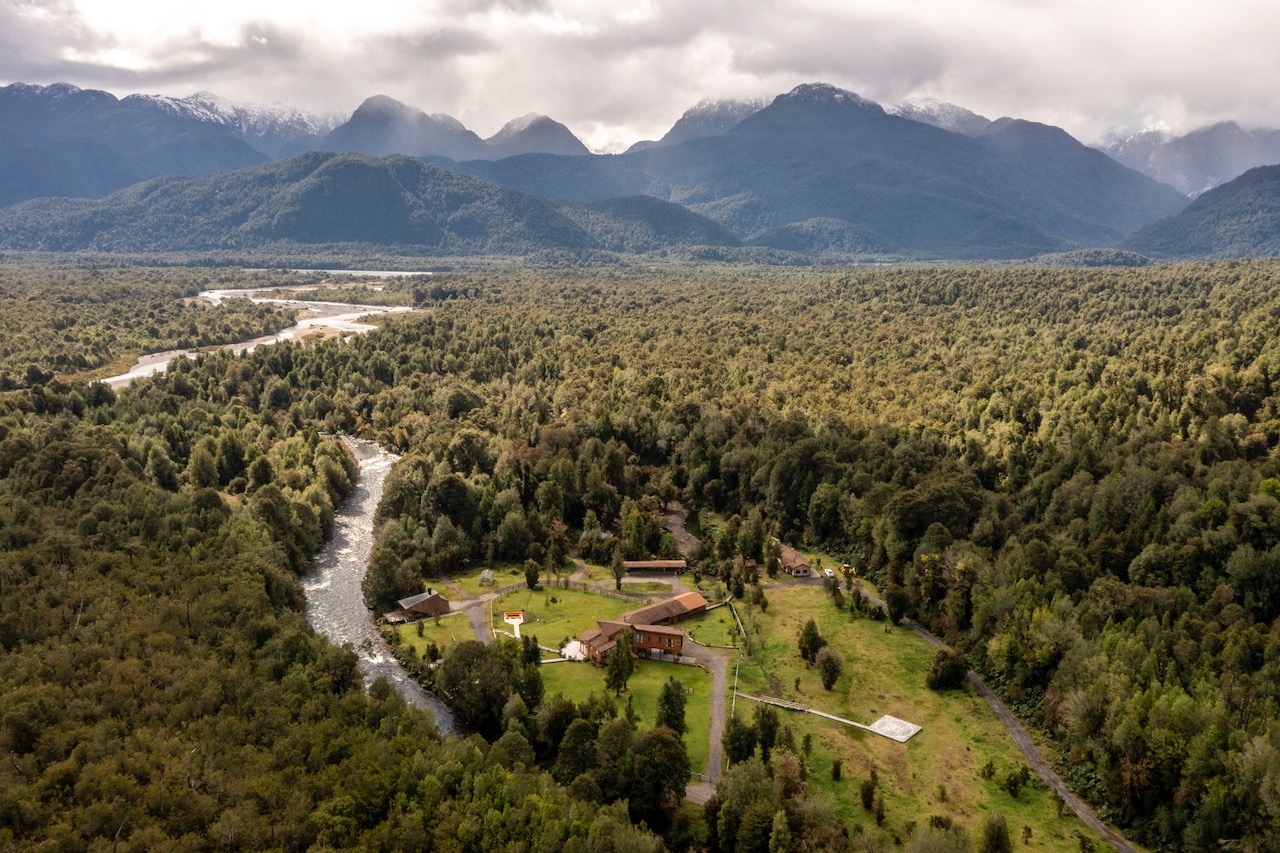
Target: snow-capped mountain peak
point(825, 93)
point(266, 127)
point(941, 114)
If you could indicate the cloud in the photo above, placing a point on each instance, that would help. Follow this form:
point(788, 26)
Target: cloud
point(618, 72)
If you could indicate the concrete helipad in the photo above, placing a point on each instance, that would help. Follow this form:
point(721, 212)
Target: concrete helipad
point(894, 729)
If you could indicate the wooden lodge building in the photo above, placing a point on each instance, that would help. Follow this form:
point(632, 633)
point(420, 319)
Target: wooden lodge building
point(415, 607)
point(651, 631)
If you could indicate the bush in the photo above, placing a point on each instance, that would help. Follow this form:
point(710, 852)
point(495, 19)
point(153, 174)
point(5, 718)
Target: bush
point(830, 666)
point(995, 835)
point(948, 670)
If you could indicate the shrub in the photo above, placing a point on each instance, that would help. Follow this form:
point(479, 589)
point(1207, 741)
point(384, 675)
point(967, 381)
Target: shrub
point(948, 670)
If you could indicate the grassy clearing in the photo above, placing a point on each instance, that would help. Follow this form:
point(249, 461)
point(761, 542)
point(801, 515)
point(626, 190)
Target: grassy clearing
point(503, 575)
point(646, 586)
point(446, 632)
point(572, 612)
point(884, 674)
point(716, 628)
point(595, 573)
point(578, 680)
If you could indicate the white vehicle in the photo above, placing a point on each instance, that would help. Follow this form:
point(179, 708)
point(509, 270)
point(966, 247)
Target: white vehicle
point(829, 573)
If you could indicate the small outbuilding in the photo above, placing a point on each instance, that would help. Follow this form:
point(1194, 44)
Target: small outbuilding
point(790, 561)
point(429, 603)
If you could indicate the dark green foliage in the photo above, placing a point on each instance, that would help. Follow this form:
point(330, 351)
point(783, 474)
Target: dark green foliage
point(810, 641)
point(1016, 780)
point(671, 703)
point(995, 835)
point(1093, 258)
point(620, 665)
point(765, 723)
point(1085, 496)
point(739, 740)
point(830, 666)
point(156, 658)
point(896, 602)
point(659, 772)
point(69, 322)
point(948, 670)
point(867, 791)
point(477, 680)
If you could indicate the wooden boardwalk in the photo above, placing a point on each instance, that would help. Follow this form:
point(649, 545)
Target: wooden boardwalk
point(888, 727)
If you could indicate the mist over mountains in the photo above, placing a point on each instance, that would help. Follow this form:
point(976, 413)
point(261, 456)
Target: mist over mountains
point(817, 172)
point(1200, 160)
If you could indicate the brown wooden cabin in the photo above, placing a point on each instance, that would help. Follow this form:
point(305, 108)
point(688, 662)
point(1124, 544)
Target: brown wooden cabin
point(650, 626)
point(793, 564)
point(429, 603)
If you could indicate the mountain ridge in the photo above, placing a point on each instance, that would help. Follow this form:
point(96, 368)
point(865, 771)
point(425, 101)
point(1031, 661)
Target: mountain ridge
point(61, 140)
point(820, 152)
point(1238, 219)
point(324, 198)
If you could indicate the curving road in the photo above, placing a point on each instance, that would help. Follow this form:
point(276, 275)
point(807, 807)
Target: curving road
point(1022, 739)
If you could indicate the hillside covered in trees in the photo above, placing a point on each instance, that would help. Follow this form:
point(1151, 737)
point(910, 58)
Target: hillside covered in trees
point(1071, 474)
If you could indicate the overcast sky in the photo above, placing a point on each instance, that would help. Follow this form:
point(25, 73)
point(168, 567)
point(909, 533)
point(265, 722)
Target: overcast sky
point(615, 72)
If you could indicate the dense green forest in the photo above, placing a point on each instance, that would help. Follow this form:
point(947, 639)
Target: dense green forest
point(68, 321)
point(1071, 474)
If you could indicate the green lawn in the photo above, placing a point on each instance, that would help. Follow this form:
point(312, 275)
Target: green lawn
point(503, 575)
point(646, 586)
point(716, 628)
point(595, 573)
point(577, 680)
point(447, 631)
point(884, 673)
point(572, 612)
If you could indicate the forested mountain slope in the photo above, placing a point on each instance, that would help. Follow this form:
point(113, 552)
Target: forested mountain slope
point(310, 199)
point(1240, 219)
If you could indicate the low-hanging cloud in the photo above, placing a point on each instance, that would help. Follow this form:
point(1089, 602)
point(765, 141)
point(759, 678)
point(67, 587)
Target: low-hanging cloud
point(615, 74)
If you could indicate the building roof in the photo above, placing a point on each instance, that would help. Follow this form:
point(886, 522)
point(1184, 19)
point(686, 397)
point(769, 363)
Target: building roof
point(640, 565)
point(665, 610)
point(406, 603)
point(598, 640)
point(662, 630)
point(791, 559)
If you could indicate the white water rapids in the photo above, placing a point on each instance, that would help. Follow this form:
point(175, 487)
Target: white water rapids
point(335, 603)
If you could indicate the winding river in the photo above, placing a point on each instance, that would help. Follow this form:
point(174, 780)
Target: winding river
point(335, 316)
point(335, 603)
